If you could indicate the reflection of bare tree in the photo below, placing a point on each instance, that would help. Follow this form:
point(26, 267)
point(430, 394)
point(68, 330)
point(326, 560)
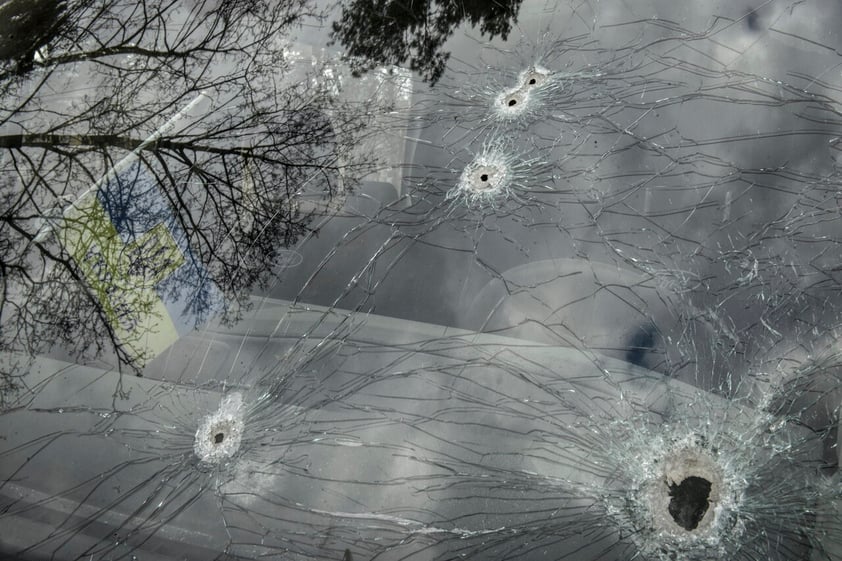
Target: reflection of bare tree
point(25, 27)
point(231, 180)
point(390, 32)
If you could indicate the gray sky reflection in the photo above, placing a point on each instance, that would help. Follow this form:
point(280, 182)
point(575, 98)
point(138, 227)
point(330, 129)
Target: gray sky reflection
point(514, 340)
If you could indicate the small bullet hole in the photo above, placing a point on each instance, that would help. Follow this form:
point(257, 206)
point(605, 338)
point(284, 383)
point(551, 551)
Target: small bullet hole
point(532, 81)
point(218, 438)
point(484, 177)
point(512, 102)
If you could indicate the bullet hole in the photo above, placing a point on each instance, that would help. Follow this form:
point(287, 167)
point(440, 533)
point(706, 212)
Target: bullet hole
point(512, 103)
point(533, 77)
point(689, 501)
point(484, 178)
point(219, 434)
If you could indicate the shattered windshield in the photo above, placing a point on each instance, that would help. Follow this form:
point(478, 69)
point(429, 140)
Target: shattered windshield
point(383, 280)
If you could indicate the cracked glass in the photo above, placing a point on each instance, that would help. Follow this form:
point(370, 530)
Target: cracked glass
point(420, 281)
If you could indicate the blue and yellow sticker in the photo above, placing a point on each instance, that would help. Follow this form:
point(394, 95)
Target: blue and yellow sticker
point(136, 259)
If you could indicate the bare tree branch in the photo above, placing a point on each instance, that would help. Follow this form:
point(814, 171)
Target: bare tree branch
point(227, 179)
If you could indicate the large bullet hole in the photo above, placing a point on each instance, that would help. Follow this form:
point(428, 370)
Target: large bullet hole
point(483, 177)
point(512, 102)
point(689, 501)
point(218, 438)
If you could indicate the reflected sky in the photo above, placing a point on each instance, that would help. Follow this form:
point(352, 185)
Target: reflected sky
point(592, 265)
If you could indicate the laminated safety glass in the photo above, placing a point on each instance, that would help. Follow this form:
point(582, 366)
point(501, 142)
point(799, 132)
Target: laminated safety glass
point(420, 281)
